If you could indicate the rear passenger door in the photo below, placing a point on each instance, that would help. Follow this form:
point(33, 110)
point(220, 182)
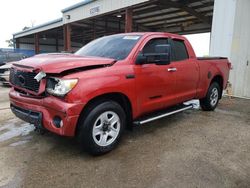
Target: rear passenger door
point(186, 71)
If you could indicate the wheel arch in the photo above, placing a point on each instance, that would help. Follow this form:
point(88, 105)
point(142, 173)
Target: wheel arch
point(118, 97)
point(218, 79)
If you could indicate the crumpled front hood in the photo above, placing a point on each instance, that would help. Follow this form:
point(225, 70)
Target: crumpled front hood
point(58, 63)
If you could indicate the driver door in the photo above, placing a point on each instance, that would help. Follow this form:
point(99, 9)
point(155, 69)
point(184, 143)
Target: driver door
point(155, 84)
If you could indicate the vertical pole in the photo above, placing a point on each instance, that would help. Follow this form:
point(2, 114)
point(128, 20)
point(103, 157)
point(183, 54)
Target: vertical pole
point(67, 37)
point(119, 26)
point(129, 20)
point(17, 43)
point(57, 33)
point(83, 39)
point(36, 43)
point(57, 44)
point(106, 27)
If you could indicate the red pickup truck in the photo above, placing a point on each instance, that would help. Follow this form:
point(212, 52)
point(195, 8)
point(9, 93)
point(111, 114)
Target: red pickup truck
point(112, 83)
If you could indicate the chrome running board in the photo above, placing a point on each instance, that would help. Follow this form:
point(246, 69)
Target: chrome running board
point(163, 114)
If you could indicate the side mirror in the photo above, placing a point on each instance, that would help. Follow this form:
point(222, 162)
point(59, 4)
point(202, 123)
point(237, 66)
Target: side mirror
point(161, 56)
point(141, 59)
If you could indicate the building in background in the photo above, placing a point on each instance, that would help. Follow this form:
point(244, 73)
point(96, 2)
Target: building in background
point(85, 21)
point(91, 19)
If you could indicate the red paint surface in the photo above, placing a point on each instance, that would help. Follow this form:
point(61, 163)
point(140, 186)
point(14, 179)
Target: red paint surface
point(190, 81)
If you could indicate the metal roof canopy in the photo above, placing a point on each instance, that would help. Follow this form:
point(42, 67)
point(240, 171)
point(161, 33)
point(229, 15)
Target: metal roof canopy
point(159, 15)
point(175, 16)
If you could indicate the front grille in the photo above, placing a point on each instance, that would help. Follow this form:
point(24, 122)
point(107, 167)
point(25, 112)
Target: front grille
point(24, 79)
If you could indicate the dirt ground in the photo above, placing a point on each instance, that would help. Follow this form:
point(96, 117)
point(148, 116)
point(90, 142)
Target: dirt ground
point(189, 149)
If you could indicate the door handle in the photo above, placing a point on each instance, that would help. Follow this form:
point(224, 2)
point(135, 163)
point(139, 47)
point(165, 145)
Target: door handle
point(172, 69)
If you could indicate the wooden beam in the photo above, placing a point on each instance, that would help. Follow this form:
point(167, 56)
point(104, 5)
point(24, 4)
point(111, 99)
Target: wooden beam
point(67, 37)
point(129, 20)
point(36, 43)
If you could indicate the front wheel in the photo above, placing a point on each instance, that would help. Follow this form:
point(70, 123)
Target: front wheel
point(210, 102)
point(101, 129)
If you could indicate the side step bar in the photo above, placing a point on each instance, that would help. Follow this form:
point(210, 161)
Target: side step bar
point(168, 112)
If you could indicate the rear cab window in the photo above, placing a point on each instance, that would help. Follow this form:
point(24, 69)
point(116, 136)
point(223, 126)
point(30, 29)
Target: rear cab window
point(179, 50)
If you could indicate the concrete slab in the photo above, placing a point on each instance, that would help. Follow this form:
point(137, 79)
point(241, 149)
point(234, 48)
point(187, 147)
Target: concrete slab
point(190, 149)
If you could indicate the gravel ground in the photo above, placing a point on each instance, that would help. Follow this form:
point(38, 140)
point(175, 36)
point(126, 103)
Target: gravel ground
point(189, 149)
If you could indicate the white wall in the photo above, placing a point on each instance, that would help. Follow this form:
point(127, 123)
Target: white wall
point(230, 37)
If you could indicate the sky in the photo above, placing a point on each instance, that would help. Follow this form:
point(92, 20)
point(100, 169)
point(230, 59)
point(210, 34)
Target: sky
point(15, 15)
point(200, 43)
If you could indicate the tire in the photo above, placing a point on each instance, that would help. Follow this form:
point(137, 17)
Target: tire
point(210, 102)
point(101, 129)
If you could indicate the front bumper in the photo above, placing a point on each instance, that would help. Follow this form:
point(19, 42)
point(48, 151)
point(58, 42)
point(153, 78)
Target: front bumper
point(28, 115)
point(42, 111)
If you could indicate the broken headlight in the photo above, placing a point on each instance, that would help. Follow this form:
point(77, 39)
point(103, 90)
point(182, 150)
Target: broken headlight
point(60, 87)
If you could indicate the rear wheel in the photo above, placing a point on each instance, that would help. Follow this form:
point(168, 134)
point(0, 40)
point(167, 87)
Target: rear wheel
point(210, 102)
point(101, 129)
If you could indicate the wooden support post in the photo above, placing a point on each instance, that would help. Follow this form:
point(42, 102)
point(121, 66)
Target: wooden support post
point(36, 43)
point(129, 20)
point(67, 37)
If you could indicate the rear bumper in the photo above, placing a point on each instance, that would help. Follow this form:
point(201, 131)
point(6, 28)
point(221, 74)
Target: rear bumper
point(41, 112)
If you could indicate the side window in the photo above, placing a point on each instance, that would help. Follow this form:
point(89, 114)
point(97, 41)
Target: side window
point(179, 50)
point(150, 46)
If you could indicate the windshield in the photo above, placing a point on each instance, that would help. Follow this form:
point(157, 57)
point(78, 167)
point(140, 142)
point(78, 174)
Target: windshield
point(116, 47)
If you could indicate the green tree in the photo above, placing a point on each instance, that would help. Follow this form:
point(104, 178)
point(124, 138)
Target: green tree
point(10, 42)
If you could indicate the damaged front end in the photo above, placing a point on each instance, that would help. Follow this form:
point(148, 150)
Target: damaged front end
point(35, 81)
point(40, 86)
